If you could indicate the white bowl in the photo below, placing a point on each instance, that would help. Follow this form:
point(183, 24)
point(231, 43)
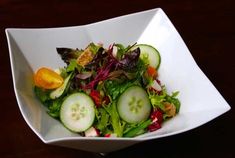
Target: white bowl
point(33, 48)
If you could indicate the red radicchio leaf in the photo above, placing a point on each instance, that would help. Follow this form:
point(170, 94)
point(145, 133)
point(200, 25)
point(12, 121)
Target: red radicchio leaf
point(130, 59)
point(99, 57)
point(103, 72)
point(157, 118)
point(128, 62)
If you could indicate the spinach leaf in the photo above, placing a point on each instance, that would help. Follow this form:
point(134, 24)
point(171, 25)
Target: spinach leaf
point(138, 129)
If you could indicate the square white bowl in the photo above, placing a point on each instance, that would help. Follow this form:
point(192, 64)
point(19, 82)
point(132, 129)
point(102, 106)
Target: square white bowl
point(33, 48)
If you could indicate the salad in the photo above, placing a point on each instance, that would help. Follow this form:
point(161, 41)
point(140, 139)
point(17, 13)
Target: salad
point(107, 92)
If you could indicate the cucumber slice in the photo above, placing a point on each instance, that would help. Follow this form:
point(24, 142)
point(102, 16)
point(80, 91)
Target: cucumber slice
point(151, 53)
point(60, 90)
point(77, 112)
point(133, 105)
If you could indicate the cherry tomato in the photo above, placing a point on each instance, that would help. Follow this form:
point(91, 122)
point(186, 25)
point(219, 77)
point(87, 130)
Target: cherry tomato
point(152, 72)
point(95, 95)
point(47, 79)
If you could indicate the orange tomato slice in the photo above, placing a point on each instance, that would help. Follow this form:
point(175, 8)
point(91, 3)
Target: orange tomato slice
point(47, 79)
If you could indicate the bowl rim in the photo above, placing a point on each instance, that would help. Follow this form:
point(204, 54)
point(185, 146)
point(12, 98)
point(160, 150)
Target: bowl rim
point(137, 139)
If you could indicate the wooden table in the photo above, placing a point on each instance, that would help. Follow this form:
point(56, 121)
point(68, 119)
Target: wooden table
point(208, 29)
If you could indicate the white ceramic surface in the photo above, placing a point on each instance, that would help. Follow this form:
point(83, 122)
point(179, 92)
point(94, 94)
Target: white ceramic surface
point(33, 48)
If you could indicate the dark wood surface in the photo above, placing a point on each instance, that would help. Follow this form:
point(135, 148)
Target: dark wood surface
point(208, 29)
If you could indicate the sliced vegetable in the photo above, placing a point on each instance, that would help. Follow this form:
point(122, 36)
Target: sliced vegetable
point(47, 79)
point(77, 112)
point(95, 95)
point(151, 53)
point(133, 105)
point(114, 88)
point(92, 132)
point(156, 86)
point(152, 72)
point(60, 90)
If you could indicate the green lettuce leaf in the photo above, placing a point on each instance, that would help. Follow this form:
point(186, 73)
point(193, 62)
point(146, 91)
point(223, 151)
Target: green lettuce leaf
point(54, 108)
point(172, 99)
point(157, 100)
point(42, 94)
point(102, 119)
point(117, 124)
point(93, 48)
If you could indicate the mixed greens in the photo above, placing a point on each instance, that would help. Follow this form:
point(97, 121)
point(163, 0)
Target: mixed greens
point(113, 92)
